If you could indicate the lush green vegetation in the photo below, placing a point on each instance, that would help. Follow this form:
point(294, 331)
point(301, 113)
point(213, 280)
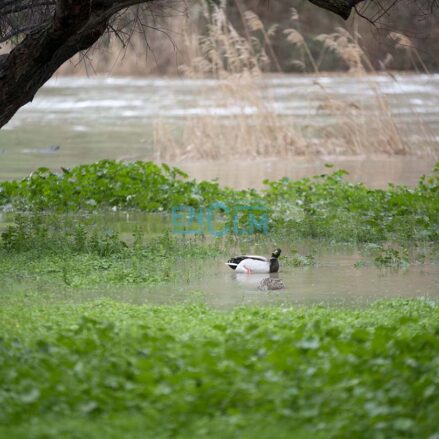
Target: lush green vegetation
point(329, 207)
point(140, 185)
point(325, 207)
point(106, 369)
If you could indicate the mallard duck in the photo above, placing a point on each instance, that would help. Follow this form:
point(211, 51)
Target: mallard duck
point(255, 264)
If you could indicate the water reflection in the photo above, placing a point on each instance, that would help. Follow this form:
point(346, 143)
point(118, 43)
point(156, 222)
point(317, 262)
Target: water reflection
point(262, 282)
point(333, 281)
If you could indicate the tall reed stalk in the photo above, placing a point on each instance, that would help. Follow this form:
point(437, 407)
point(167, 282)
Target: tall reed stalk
point(253, 128)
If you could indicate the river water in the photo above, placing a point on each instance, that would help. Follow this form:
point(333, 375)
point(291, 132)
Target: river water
point(76, 120)
point(334, 280)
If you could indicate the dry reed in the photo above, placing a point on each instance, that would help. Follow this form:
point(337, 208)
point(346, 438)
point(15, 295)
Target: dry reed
point(255, 129)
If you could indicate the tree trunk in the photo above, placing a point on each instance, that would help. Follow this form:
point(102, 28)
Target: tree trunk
point(33, 61)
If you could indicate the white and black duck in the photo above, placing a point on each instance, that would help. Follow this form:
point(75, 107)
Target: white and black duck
point(255, 264)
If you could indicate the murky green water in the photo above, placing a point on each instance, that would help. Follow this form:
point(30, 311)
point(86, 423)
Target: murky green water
point(333, 280)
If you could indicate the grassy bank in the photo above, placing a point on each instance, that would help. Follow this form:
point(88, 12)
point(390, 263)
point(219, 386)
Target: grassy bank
point(106, 369)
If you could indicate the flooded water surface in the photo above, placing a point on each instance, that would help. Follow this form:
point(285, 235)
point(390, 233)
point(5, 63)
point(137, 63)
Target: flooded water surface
point(333, 280)
point(338, 274)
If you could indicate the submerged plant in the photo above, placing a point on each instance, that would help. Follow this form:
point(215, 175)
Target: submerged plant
point(80, 252)
point(299, 260)
point(391, 257)
point(40, 232)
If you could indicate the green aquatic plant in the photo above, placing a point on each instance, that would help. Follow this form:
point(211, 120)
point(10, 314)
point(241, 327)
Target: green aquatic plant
point(360, 264)
point(58, 234)
point(295, 259)
point(108, 183)
point(80, 252)
point(326, 206)
point(391, 257)
point(107, 369)
point(397, 256)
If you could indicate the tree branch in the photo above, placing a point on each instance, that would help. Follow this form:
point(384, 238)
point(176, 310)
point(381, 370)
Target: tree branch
point(340, 7)
point(15, 32)
point(14, 7)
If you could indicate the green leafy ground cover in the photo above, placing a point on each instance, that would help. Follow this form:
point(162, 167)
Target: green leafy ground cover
point(325, 206)
point(106, 369)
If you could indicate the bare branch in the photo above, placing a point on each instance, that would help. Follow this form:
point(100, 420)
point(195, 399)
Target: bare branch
point(20, 6)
